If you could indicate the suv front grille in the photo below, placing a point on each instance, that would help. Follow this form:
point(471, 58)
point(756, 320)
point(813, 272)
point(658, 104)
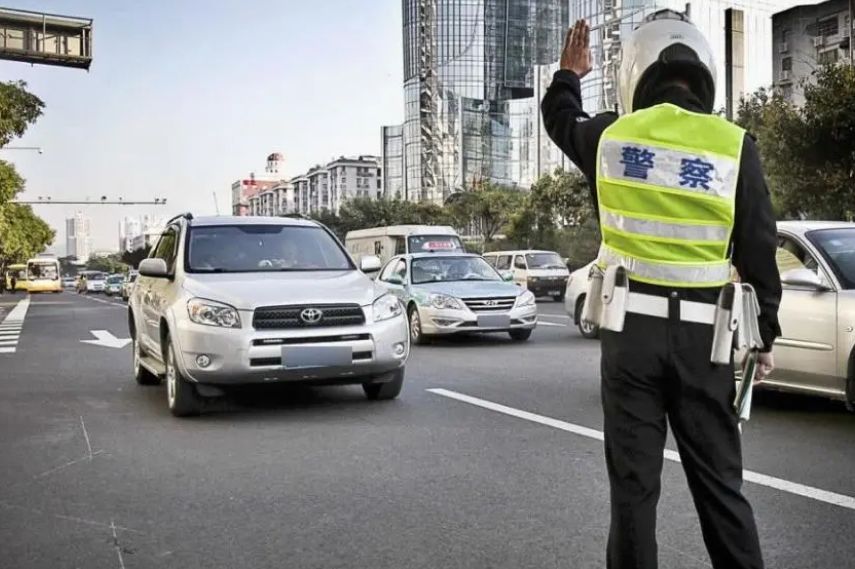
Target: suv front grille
point(283, 317)
point(502, 303)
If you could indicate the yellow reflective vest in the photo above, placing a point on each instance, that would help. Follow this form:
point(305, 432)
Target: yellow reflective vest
point(666, 187)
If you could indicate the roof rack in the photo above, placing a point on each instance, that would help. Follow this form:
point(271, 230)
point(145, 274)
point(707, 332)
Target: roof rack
point(186, 215)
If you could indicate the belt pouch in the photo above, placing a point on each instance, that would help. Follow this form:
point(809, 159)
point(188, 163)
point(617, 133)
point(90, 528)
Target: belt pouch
point(727, 312)
point(593, 300)
point(614, 298)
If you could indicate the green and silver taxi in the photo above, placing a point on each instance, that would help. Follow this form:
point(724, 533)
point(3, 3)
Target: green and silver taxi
point(455, 293)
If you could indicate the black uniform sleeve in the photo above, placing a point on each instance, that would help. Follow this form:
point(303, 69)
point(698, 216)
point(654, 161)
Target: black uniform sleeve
point(570, 127)
point(755, 241)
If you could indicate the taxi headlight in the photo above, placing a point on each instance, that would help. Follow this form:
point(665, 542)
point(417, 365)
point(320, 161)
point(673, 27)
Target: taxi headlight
point(444, 301)
point(526, 299)
point(211, 313)
point(386, 307)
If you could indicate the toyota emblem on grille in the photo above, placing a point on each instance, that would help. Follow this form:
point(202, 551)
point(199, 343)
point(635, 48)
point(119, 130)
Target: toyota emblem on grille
point(491, 303)
point(311, 315)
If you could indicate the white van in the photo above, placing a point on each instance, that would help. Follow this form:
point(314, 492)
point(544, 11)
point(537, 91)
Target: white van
point(542, 272)
point(386, 242)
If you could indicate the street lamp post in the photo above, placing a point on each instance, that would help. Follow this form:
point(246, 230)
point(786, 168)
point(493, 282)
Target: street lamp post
point(33, 148)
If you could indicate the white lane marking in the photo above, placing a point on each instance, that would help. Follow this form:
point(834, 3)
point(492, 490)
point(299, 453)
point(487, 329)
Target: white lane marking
point(558, 316)
point(553, 324)
point(106, 339)
point(803, 490)
point(12, 325)
point(106, 302)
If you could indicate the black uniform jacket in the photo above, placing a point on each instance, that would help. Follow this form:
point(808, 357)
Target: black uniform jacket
point(754, 238)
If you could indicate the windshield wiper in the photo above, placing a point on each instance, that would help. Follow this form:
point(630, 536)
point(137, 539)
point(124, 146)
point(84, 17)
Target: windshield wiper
point(212, 270)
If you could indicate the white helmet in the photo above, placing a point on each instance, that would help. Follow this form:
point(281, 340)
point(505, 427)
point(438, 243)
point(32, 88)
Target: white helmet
point(666, 41)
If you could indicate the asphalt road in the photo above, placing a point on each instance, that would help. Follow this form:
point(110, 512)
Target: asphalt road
point(499, 468)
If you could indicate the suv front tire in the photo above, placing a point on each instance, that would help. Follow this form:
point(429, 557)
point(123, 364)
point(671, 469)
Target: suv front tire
point(388, 390)
point(181, 395)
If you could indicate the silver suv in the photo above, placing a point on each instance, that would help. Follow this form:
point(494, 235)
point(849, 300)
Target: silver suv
point(234, 300)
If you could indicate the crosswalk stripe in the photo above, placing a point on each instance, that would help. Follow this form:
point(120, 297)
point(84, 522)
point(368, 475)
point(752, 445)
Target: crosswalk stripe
point(10, 327)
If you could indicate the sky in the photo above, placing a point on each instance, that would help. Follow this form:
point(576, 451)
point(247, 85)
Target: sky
point(185, 96)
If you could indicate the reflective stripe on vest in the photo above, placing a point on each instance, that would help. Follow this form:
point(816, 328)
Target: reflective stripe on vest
point(666, 188)
point(655, 228)
point(658, 272)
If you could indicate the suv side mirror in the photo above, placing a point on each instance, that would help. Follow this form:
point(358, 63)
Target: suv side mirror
point(370, 264)
point(155, 268)
point(803, 278)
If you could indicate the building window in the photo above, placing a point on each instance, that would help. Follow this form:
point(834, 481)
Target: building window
point(787, 64)
point(827, 27)
point(828, 57)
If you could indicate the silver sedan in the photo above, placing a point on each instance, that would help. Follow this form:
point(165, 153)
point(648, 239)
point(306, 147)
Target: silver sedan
point(455, 293)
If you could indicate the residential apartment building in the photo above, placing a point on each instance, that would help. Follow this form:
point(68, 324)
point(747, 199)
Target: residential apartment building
point(243, 190)
point(323, 187)
point(807, 37)
point(78, 239)
point(129, 228)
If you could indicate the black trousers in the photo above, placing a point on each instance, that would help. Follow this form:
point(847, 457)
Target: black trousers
point(653, 370)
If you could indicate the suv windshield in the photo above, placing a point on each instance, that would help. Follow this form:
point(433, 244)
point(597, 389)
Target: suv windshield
point(263, 248)
point(544, 261)
point(838, 248)
point(444, 269)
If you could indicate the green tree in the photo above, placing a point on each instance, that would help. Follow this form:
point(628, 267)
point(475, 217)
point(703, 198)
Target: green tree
point(22, 233)
point(133, 258)
point(107, 264)
point(808, 153)
point(18, 110)
point(486, 209)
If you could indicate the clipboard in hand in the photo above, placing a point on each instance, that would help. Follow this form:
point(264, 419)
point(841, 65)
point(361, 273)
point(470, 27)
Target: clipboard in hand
point(742, 402)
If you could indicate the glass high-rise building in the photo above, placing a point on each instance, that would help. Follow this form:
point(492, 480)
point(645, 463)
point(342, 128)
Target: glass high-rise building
point(474, 71)
point(739, 32)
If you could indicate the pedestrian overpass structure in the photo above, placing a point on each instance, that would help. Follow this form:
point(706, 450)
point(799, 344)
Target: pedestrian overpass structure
point(47, 39)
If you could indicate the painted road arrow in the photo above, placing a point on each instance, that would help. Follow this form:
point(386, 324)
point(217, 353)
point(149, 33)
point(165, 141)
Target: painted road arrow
point(106, 339)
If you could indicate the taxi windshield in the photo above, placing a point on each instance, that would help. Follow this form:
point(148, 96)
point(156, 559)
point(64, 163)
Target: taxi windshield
point(447, 269)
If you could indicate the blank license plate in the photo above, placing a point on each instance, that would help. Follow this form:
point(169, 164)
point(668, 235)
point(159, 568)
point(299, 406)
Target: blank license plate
point(494, 320)
point(316, 356)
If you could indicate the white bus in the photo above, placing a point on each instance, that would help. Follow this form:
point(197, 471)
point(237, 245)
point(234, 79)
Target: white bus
point(386, 242)
point(43, 275)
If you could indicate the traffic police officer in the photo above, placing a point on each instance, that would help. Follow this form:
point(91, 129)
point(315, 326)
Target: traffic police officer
point(680, 196)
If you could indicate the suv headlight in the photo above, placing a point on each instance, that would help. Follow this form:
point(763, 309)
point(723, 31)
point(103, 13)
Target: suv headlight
point(386, 307)
point(526, 299)
point(444, 301)
point(212, 313)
